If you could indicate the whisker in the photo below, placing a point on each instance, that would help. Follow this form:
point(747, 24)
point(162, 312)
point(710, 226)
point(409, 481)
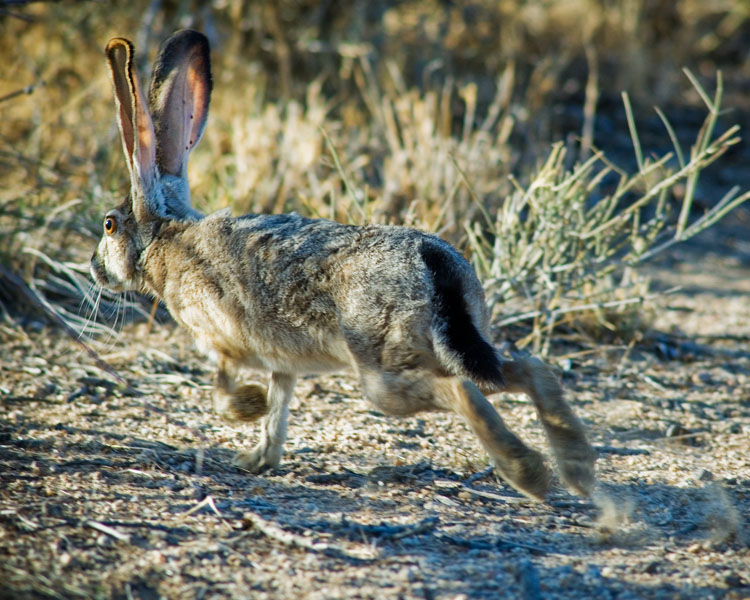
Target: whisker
point(91, 308)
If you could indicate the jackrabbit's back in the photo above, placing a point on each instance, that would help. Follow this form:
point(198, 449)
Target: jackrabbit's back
point(282, 291)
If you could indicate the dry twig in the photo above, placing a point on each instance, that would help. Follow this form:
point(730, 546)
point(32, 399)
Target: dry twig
point(299, 541)
point(123, 537)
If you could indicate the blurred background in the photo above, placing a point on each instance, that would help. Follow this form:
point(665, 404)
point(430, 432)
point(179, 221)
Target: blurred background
point(424, 112)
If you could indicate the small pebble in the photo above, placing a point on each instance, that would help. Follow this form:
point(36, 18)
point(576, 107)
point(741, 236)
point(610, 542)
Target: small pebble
point(735, 581)
point(702, 379)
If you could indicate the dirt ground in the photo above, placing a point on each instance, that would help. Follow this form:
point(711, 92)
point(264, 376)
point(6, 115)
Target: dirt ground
point(106, 494)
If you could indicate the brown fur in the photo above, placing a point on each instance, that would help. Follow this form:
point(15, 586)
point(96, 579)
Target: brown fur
point(244, 403)
point(293, 296)
point(567, 437)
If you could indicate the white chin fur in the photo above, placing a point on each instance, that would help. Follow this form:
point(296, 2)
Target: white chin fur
point(105, 279)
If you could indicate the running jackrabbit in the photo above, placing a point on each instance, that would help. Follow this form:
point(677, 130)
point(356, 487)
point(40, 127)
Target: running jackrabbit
point(293, 295)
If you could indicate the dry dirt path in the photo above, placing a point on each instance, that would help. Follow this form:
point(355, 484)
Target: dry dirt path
point(110, 495)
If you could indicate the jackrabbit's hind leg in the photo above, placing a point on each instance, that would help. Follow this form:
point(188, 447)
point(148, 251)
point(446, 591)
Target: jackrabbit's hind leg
point(239, 403)
point(267, 454)
point(521, 466)
point(567, 436)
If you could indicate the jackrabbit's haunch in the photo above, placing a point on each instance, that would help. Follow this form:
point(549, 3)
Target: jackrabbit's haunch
point(293, 296)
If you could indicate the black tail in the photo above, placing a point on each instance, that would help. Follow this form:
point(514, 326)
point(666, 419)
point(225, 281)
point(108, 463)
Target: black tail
point(456, 327)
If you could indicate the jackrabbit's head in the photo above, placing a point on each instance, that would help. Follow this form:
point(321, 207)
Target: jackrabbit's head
point(157, 138)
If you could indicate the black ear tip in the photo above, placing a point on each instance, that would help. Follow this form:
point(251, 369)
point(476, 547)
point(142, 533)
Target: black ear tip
point(185, 44)
point(118, 44)
point(186, 38)
point(192, 34)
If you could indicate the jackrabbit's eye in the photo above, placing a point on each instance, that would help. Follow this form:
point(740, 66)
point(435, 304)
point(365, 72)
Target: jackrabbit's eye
point(110, 225)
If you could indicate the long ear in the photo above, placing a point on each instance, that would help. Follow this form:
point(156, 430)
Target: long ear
point(178, 98)
point(136, 128)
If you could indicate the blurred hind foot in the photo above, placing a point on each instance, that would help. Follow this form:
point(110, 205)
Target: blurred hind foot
point(573, 454)
point(578, 472)
point(520, 466)
point(527, 474)
point(244, 403)
point(248, 402)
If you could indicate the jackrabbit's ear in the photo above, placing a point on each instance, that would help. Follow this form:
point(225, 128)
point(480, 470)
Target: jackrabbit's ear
point(178, 98)
point(136, 128)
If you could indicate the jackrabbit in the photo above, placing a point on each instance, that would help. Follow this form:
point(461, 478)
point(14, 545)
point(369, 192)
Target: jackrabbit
point(294, 296)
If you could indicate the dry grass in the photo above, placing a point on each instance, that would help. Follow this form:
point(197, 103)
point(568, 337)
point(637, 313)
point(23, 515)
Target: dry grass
point(572, 239)
point(443, 117)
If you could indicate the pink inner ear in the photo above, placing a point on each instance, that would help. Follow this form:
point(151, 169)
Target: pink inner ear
point(145, 154)
point(126, 129)
point(136, 126)
point(180, 94)
point(200, 95)
point(174, 115)
point(118, 53)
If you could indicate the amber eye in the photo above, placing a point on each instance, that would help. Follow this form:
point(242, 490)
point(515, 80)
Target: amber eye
point(110, 225)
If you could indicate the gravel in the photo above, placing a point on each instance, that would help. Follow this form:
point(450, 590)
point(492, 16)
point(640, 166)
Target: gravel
point(108, 494)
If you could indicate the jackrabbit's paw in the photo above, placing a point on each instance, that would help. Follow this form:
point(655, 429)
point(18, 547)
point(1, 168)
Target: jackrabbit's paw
point(578, 472)
point(528, 474)
point(260, 458)
point(246, 403)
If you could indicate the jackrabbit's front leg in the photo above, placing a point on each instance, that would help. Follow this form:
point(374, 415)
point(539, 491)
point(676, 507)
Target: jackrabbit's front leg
point(267, 454)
